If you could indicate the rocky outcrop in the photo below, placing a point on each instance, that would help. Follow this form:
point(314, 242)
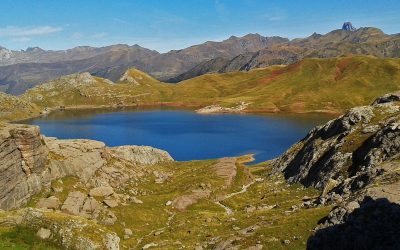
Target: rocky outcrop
point(218, 109)
point(29, 162)
point(23, 155)
point(354, 161)
point(140, 155)
point(347, 153)
point(80, 158)
point(372, 224)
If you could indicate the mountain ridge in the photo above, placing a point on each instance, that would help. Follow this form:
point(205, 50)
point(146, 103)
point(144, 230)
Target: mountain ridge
point(362, 41)
point(232, 54)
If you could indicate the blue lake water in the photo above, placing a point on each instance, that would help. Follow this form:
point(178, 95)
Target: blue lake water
point(184, 134)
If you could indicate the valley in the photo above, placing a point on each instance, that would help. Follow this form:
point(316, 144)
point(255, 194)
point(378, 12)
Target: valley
point(252, 142)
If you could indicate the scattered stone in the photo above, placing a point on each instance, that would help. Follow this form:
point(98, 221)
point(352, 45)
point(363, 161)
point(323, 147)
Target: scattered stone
point(286, 242)
point(135, 200)
point(256, 247)
point(168, 203)
point(147, 246)
point(109, 219)
point(264, 207)
point(249, 208)
point(43, 233)
point(111, 241)
point(156, 233)
point(127, 233)
point(91, 205)
point(111, 203)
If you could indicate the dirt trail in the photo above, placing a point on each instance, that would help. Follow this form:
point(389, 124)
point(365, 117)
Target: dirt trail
point(228, 210)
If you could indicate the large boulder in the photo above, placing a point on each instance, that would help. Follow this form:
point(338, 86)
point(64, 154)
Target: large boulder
point(101, 191)
point(80, 158)
point(74, 203)
point(49, 203)
point(140, 155)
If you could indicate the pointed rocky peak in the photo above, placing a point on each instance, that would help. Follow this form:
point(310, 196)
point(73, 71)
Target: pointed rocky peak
point(315, 35)
point(348, 26)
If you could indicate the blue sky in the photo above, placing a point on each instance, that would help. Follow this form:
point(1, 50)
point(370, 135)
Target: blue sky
point(173, 24)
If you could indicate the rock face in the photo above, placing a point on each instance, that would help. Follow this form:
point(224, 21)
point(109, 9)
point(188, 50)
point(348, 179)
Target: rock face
point(354, 161)
point(80, 158)
point(349, 152)
point(371, 225)
point(22, 160)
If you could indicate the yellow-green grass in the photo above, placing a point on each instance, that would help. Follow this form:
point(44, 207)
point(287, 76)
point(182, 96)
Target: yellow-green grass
point(18, 238)
point(331, 85)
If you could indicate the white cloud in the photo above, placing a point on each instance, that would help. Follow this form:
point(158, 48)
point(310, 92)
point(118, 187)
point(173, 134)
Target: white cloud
point(16, 31)
point(21, 39)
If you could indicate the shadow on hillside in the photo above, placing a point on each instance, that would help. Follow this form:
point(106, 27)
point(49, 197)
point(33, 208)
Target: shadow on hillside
point(375, 225)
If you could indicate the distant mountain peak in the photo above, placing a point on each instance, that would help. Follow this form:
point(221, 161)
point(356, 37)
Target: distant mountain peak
point(348, 26)
point(34, 49)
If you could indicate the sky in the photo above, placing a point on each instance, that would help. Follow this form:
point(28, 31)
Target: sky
point(164, 25)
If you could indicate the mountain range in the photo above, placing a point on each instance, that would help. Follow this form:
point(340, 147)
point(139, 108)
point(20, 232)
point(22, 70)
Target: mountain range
point(21, 70)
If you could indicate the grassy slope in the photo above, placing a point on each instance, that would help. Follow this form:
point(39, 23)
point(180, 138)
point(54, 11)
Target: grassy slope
point(205, 220)
point(13, 108)
point(311, 85)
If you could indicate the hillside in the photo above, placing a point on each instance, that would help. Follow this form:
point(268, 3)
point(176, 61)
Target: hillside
point(362, 41)
point(21, 70)
point(311, 85)
point(14, 108)
point(330, 85)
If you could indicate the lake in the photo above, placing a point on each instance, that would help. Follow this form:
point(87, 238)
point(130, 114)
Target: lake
point(184, 134)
